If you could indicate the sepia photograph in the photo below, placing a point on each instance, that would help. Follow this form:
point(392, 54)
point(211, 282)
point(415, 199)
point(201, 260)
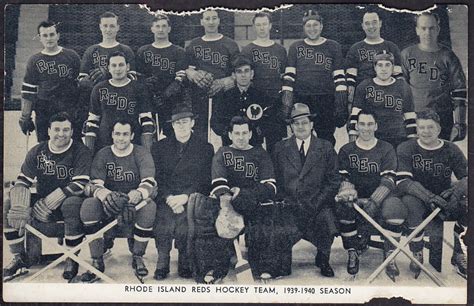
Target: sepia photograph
point(299, 153)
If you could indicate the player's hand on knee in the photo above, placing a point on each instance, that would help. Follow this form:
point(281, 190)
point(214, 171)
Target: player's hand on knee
point(135, 196)
point(114, 203)
point(41, 212)
point(26, 124)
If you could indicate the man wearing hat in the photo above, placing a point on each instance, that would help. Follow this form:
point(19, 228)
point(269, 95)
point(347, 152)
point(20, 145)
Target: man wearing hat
point(246, 100)
point(183, 166)
point(315, 75)
point(389, 99)
point(308, 180)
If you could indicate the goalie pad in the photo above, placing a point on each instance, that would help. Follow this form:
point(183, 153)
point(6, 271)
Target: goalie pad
point(223, 84)
point(206, 250)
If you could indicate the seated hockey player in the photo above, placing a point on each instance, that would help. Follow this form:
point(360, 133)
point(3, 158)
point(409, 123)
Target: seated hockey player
point(390, 99)
point(307, 178)
point(183, 166)
point(246, 173)
point(425, 168)
point(61, 168)
point(122, 175)
point(368, 167)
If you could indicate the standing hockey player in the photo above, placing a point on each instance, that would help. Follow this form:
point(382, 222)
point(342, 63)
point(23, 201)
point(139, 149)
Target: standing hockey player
point(359, 58)
point(94, 64)
point(307, 178)
point(248, 101)
point(315, 76)
point(391, 101)
point(368, 167)
point(123, 175)
point(425, 168)
point(162, 65)
point(119, 97)
point(436, 78)
point(269, 61)
point(183, 166)
point(61, 168)
point(246, 172)
point(209, 67)
point(50, 84)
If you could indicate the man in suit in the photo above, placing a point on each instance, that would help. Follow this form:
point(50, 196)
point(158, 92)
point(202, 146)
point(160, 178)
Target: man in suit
point(183, 166)
point(308, 180)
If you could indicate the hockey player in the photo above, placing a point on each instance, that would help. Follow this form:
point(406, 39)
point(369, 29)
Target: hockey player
point(248, 101)
point(368, 167)
point(425, 168)
point(118, 97)
point(246, 172)
point(49, 85)
point(390, 99)
point(94, 64)
point(183, 166)
point(307, 179)
point(315, 76)
point(359, 58)
point(436, 78)
point(122, 175)
point(209, 66)
point(61, 168)
point(162, 65)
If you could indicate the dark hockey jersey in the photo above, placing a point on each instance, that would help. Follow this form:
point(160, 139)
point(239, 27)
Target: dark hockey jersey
point(435, 77)
point(68, 169)
point(365, 168)
point(50, 77)
point(241, 168)
point(162, 63)
point(109, 102)
point(360, 60)
point(319, 69)
point(213, 56)
point(135, 170)
point(392, 104)
point(269, 65)
point(431, 167)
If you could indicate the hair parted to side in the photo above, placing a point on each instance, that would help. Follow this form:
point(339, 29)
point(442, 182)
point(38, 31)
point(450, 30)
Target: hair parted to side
point(47, 24)
point(262, 14)
point(108, 14)
point(59, 117)
point(368, 113)
point(238, 120)
point(123, 121)
point(428, 114)
point(118, 53)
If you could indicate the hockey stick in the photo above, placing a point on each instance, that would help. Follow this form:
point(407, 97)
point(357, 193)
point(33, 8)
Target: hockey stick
point(209, 114)
point(71, 252)
point(400, 246)
point(157, 127)
point(242, 267)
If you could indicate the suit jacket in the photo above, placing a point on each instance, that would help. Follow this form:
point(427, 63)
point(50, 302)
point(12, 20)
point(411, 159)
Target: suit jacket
point(311, 187)
point(186, 174)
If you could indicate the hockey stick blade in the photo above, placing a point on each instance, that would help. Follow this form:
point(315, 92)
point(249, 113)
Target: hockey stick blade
point(242, 267)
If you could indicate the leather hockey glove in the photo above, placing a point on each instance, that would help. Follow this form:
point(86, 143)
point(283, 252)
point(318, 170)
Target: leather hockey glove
point(26, 124)
point(201, 78)
point(347, 192)
point(99, 74)
point(127, 216)
point(458, 132)
point(114, 203)
point(223, 84)
point(175, 88)
point(369, 206)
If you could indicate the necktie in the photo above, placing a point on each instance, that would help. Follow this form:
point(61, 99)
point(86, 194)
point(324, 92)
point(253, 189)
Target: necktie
point(302, 155)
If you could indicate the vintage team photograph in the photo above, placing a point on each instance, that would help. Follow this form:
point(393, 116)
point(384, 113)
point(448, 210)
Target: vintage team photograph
point(300, 153)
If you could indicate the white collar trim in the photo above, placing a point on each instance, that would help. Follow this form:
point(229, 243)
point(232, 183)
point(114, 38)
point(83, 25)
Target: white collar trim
point(51, 54)
point(319, 42)
point(122, 154)
point(379, 41)
point(364, 147)
point(212, 39)
point(441, 143)
point(61, 151)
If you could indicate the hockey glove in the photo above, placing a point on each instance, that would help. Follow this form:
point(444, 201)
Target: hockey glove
point(99, 74)
point(223, 84)
point(135, 196)
point(127, 216)
point(458, 132)
point(347, 192)
point(26, 124)
point(152, 82)
point(41, 212)
point(114, 203)
point(201, 78)
point(173, 89)
point(340, 108)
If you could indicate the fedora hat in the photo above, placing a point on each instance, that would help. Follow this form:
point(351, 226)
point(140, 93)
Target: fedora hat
point(181, 111)
point(300, 110)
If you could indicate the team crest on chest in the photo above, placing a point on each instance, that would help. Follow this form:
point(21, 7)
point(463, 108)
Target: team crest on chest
point(254, 111)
